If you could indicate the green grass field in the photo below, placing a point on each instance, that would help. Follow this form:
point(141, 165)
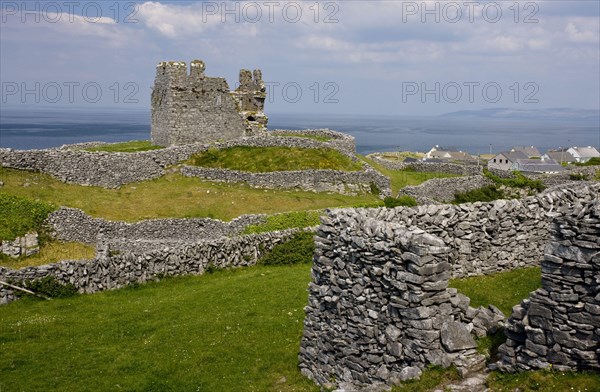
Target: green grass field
point(171, 196)
point(228, 331)
point(270, 159)
point(235, 330)
point(132, 146)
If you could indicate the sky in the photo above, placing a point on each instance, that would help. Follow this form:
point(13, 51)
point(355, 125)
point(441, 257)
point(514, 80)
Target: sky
point(339, 57)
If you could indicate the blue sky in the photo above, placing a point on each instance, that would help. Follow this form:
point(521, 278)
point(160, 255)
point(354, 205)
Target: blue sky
point(356, 57)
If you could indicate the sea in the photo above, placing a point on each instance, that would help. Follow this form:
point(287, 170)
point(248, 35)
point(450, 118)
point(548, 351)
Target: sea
point(476, 132)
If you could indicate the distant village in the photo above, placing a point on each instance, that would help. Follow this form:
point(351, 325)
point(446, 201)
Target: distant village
point(526, 159)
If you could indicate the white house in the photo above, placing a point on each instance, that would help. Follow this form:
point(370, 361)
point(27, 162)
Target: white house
point(584, 154)
point(506, 161)
point(447, 153)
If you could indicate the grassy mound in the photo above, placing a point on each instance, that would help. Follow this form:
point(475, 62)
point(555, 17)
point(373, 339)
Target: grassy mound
point(271, 159)
point(132, 146)
point(21, 215)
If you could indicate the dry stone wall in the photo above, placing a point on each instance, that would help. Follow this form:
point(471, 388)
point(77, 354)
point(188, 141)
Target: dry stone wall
point(104, 169)
point(26, 245)
point(434, 167)
point(338, 140)
point(71, 224)
point(442, 190)
point(558, 326)
point(380, 311)
point(489, 237)
point(338, 181)
point(379, 308)
point(111, 271)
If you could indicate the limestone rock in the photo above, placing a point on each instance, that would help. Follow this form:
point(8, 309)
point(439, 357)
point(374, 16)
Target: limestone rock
point(455, 337)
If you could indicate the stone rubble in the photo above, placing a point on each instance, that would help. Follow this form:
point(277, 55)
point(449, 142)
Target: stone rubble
point(26, 245)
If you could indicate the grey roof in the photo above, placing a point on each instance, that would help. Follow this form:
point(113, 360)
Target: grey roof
point(446, 148)
point(513, 156)
point(459, 155)
point(560, 156)
point(536, 165)
point(529, 151)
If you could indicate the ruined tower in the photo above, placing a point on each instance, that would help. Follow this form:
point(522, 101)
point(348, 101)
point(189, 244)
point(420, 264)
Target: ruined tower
point(195, 108)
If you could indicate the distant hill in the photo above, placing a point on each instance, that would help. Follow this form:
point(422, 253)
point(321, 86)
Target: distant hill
point(533, 114)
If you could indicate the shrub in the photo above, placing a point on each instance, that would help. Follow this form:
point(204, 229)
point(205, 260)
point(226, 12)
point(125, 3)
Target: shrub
point(374, 189)
point(518, 181)
point(488, 193)
point(299, 249)
point(404, 200)
point(20, 216)
point(49, 287)
point(578, 177)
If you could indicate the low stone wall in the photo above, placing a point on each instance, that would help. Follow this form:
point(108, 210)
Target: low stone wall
point(21, 246)
point(105, 169)
point(343, 182)
point(434, 167)
point(339, 140)
point(558, 326)
point(379, 308)
point(110, 271)
point(442, 190)
point(71, 224)
point(565, 177)
point(501, 173)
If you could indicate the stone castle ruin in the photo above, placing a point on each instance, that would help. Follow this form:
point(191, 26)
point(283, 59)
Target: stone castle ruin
point(195, 108)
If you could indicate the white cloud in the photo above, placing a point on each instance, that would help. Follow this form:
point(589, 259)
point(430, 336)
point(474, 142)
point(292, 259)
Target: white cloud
point(576, 34)
point(173, 21)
